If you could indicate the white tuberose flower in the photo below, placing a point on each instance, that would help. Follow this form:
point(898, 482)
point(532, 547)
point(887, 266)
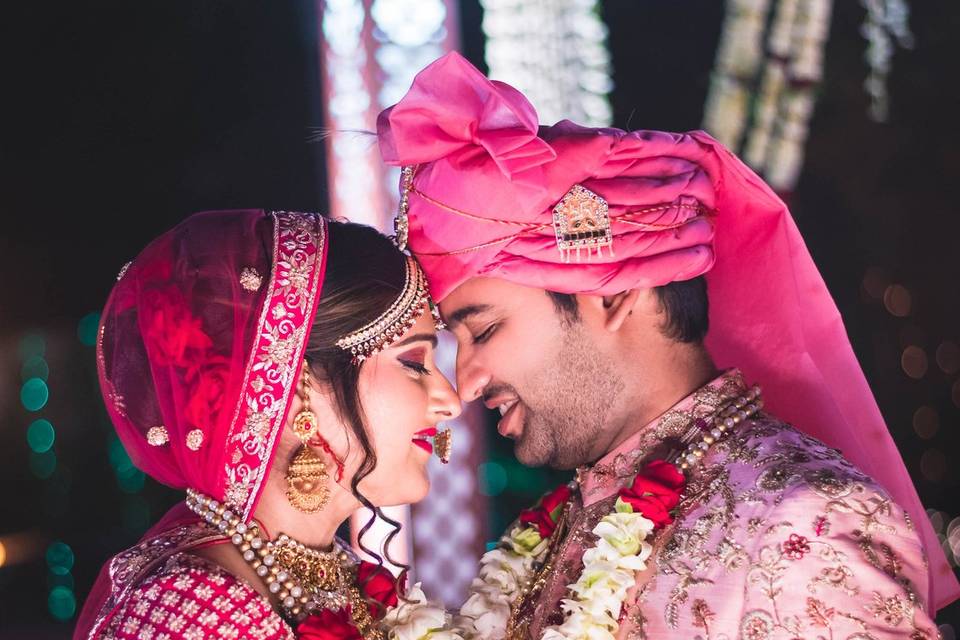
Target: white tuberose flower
point(487, 610)
point(416, 619)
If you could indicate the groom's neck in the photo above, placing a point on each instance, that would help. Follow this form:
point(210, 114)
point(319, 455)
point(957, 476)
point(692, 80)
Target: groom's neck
point(687, 369)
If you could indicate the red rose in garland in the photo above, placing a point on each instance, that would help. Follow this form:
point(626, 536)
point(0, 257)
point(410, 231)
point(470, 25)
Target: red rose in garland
point(655, 492)
point(378, 586)
point(328, 625)
point(544, 517)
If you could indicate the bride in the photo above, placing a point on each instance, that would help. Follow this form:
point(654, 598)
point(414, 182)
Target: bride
point(279, 368)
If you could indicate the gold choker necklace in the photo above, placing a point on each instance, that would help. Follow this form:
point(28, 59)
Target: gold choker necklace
point(304, 580)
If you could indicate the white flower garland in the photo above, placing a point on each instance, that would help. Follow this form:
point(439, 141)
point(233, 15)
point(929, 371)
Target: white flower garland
point(414, 618)
point(596, 598)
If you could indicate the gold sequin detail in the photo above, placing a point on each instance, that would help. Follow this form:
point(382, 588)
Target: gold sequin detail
point(157, 436)
point(194, 440)
point(250, 279)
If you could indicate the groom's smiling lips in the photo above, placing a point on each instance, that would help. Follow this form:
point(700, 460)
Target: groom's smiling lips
point(511, 422)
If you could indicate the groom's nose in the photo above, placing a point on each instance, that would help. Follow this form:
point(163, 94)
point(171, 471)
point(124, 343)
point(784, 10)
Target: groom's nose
point(472, 379)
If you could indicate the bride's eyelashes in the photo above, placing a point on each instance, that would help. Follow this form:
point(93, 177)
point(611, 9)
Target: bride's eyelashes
point(415, 361)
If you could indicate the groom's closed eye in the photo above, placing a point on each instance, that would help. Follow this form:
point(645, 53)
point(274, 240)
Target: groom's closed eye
point(485, 335)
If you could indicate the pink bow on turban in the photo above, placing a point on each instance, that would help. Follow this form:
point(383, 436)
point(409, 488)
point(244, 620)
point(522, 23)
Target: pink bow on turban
point(680, 205)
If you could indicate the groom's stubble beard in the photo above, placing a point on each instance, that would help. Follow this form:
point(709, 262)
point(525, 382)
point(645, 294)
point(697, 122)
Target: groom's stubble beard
point(567, 403)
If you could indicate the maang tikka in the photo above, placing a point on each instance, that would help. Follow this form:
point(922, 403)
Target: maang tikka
point(307, 475)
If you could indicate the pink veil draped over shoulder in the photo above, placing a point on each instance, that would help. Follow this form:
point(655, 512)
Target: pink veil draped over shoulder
point(200, 347)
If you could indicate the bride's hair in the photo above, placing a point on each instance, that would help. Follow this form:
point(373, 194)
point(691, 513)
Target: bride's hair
point(365, 274)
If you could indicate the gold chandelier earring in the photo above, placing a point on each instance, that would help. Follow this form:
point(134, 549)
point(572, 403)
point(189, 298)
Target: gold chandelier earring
point(307, 476)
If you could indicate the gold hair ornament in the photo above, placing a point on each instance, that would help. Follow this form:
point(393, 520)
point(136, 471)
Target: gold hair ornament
point(387, 328)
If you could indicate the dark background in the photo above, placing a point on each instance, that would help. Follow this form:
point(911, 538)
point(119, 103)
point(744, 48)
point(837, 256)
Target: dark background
point(121, 118)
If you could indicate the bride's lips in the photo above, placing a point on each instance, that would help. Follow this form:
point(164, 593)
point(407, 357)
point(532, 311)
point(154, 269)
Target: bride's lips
point(421, 439)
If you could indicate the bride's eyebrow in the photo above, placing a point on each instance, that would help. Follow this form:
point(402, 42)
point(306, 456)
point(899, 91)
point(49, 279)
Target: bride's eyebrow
point(463, 313)
point(417, 337)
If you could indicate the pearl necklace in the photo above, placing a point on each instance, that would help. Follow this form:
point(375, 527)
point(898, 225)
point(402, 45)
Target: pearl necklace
point(304, 580)
point(706, 431)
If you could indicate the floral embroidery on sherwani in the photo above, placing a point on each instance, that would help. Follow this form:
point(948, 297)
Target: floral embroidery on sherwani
point(778, 537)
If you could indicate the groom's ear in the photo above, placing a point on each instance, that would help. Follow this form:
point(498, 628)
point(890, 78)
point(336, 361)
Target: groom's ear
point(618, 307)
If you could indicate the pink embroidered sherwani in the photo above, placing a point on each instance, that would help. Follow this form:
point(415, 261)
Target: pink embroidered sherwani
point(777, 537)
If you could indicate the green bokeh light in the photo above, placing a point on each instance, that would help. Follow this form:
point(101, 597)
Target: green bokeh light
point(43, 464)
point(34, 394)
point(131, 481)
point(62, 603)
point(119, 459)
point(493, 478)
point(129, 478)
point(32, 345)
point(525, 480)
point(40, 435)
point(35, 367)
point(60, 558)
point(58, 580)
point(87, 329)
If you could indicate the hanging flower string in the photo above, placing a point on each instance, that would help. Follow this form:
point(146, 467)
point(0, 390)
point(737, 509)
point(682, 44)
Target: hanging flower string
point(593, 606)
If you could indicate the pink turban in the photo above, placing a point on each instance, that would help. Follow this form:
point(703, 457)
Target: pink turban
point(485, 184)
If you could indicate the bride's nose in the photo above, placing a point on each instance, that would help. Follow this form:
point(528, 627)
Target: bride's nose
point(445, 403)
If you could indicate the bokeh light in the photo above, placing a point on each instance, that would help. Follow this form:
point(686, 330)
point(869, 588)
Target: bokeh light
point(34, 394)
point(87, 329)
point(32, 346)
point(40, 435)
point(43, 464)
point(59, 558)
point(914, 362)
point(926, 422)
point(492, 477)
point(3, 553)
point(948, 357)
point(933, 465)
point(129, 478)
point(937, 520)
point(35, 367)
point(58, 580)
point(875, 282)
point(61, 603)
point(131, 481)
point(897, 300)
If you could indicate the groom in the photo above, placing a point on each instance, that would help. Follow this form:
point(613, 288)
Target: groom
point(595, 281)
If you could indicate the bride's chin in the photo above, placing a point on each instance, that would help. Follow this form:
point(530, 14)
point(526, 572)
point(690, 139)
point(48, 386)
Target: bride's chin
point(411, 491)
point(419, 487)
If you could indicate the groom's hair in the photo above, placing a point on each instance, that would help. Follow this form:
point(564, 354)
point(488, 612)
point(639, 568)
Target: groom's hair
point(685, 304)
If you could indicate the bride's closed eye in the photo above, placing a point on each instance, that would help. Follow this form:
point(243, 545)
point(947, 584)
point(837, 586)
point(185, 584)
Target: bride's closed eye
point(415, 360)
